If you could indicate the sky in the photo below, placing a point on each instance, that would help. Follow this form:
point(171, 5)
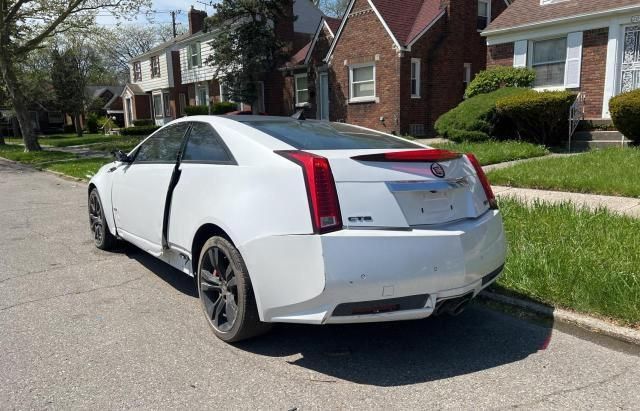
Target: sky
point(160, 13)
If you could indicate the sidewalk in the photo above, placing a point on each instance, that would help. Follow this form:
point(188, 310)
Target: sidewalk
point(621, 205)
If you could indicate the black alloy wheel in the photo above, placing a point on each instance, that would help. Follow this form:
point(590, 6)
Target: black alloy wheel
point(225, 292)
point(102, 237)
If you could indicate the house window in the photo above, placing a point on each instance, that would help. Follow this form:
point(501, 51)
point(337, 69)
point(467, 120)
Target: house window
point(548, 60)
point(467, 75)
point(155, 66)
point(137, 71)
point(195, 57)
point(415, 78)
point(183, 103)
point(302, 89)
point(167, 106)
point(484, 14)
point(202, 95)
point(157, 105)
point(362, 81)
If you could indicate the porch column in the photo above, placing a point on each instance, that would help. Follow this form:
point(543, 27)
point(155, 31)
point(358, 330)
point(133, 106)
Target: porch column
point(611, 76)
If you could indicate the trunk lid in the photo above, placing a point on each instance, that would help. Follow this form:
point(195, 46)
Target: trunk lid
point(377, 191)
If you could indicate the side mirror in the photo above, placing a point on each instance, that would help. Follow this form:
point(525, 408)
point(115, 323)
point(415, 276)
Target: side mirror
point(122, 156)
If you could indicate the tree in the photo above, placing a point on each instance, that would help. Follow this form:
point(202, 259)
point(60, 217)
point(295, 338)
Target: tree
point(73, 65)
point(333, 8)
point(27, 25)
point(118, 45)
point(246, 45)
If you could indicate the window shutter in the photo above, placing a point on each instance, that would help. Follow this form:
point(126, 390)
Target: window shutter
point(199, 53)
point(574, 60)
point(189, 53)
point(520, 53)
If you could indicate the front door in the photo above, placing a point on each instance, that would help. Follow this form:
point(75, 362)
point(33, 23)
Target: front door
point(139, 189)
point(324, 96)
point(630, 79)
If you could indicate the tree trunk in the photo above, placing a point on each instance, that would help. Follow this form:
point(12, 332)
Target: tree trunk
point(19, 103)
point(76, 120)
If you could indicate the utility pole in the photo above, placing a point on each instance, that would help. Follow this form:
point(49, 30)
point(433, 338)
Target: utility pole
point(173, 23)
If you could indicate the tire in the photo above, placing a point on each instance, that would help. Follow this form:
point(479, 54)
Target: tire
point(102, 237)
point(225, 292)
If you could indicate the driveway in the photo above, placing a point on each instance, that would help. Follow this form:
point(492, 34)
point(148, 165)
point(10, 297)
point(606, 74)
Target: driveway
point(82, 328)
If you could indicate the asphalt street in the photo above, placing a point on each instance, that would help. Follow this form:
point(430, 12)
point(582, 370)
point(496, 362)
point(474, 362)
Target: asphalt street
point(86, 329)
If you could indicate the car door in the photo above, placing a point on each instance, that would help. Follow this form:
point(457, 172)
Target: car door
point(205, 168)
point(139, 191)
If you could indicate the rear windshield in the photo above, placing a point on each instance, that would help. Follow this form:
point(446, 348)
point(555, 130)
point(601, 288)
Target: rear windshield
point(320, 135)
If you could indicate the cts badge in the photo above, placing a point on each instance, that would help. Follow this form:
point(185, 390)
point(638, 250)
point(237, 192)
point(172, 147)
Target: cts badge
point(437, 170)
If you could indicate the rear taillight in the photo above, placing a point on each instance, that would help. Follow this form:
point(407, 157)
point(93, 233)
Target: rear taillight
point(411, 156)
point(321, 190)
point(491, 198)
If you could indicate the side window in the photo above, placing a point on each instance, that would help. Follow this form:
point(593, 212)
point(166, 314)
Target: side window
point(205, 145)
point(162, 146)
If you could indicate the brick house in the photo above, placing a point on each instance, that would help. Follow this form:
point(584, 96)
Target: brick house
point(197, 77)
point(398, 67)
point(307, 76)
point(591, 46)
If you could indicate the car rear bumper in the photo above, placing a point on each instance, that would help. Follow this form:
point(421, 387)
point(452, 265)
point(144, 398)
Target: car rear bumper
point(354, 276)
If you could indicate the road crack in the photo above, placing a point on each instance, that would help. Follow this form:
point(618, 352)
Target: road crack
point(70, 294)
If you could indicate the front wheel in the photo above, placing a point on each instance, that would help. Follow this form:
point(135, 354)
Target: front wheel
point(226, 294)
point(102, 237)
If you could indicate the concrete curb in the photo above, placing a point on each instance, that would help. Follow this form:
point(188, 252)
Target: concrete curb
point(558, 314)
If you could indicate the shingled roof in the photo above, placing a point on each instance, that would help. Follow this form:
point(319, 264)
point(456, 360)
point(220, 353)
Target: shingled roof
point(523, 13)
point(405, 22)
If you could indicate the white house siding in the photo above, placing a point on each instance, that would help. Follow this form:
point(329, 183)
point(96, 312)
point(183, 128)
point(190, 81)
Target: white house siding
point(196, 74)
point(166, 72)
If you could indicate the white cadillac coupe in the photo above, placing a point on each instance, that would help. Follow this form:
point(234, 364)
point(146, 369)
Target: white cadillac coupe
point(303, 221)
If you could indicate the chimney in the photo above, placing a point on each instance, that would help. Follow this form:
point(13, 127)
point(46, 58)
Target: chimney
point(196, 20)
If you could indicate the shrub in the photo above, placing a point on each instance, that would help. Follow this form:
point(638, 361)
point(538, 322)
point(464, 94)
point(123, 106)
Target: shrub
point(540, 117)
point(475, 119)
point(196, 110)
point(499, 77)
point(69, 128)
point(224, 107)
point(138, 130)
point(106, 123)
point(625, 113)
point(143, 122)
point(92, 123)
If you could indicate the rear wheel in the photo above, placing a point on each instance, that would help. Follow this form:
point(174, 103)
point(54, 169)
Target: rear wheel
point(102, 237)
point(226, 294)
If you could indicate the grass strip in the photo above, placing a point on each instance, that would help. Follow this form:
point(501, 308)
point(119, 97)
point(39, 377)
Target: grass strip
point(574, 258)
point(611, 171)
point(16, 153)
point(83, 168)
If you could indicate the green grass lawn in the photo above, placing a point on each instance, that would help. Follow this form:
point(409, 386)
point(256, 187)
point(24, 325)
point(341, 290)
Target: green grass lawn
point(612, 171)
point(579, 259)
point(81, 168)
point(66, 140)
point(125, 144)
point(16, 153)
point(492, 152)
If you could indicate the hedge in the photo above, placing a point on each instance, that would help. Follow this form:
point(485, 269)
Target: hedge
point(495, 78)
point(625, 113)
point(475, 119)
point(196, 110)
point(540, 117)
point(138, 131)
point(143, 122)
point(222, 107)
